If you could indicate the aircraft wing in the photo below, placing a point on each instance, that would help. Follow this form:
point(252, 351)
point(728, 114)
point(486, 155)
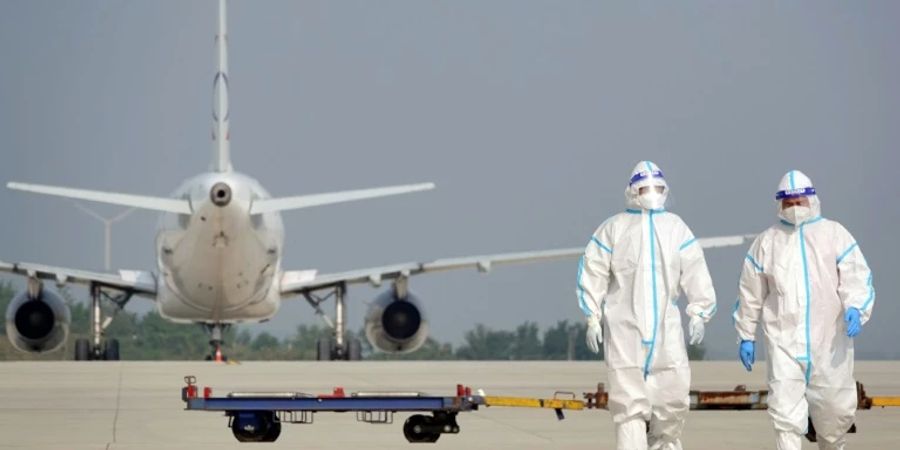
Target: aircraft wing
point(293, 283)
point(137, 282)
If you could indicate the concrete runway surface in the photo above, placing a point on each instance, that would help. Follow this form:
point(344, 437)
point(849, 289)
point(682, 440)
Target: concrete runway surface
point(137, 405)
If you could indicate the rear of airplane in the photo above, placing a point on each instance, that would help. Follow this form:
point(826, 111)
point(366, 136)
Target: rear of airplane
point(221, 161)
point(227, 282)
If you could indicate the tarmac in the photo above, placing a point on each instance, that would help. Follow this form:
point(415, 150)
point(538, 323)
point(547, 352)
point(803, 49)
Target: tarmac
point(137, 405)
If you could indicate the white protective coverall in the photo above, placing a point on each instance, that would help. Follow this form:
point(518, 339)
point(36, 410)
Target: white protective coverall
point(631, 274)
point(801, 278)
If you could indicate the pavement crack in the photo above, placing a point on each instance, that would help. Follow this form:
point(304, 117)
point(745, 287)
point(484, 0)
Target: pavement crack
point(514, 427)
point(118, 403)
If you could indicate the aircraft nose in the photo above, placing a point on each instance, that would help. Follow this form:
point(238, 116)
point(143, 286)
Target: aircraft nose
point(220, 194)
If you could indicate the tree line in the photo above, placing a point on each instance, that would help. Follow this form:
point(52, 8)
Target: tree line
point(150, 337)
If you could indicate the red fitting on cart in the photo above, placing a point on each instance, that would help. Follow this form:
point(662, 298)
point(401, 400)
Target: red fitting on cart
point(207, 392)
point(338, 392)
point(460, 390)
point(189, 391)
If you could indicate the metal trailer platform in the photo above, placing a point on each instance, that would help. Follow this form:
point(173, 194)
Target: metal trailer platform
point(257, 416)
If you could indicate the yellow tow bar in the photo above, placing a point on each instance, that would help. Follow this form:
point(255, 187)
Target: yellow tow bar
point(738, 399)
point(525, 402)
point(557, 404)
point(885, 401)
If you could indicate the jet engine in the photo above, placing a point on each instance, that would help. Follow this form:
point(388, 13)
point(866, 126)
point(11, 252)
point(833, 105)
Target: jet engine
point(37, 322)
point(394, 324)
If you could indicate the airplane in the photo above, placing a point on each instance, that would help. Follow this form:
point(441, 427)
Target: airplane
point(219, 251)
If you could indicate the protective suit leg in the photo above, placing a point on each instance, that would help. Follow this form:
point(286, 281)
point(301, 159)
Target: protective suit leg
point(631, 434)
point(628, 395)
point(628, 405)
point(669, 392)
point(788, 406)
point(831, 410)
point(664, 444)
point(836, 445)
point(787, 398)
point(786, 440)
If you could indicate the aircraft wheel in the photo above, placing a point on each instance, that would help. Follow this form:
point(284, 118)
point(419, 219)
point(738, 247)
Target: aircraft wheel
point(354, 350)
point(323, 350)
point(111, 353)
point(82, 350)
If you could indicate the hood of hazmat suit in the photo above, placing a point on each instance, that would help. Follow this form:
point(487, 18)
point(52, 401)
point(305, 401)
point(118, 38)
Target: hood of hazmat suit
point(799, 278)
point(633, 270)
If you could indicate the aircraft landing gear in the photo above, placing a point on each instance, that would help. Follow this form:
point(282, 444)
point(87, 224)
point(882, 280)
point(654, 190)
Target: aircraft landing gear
point(97, 348)
point(328, 350)
point(338, 348)
point(215, 331)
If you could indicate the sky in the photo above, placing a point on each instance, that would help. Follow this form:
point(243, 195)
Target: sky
point(528, 115)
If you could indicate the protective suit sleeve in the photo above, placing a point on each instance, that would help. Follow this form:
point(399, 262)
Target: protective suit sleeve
point(594, 272)
point(854, 276)
point(752, 292)
point(695, 280)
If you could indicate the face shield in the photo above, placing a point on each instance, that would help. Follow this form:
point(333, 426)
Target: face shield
point(648, 189)
point(797, 206)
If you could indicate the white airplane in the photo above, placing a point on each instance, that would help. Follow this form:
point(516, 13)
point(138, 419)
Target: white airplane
point(219, 251)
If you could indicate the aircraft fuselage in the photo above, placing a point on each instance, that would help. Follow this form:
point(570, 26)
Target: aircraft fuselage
point(219, 264)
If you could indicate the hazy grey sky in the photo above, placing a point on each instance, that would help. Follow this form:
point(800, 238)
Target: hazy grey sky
point(528, 115)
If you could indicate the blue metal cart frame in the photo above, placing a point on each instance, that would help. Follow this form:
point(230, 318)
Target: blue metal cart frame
point(257, 417)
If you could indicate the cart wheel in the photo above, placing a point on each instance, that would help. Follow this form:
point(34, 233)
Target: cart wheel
point(254, 427)
point(323, 350)
point(416, 429)
point(273, 433)
point(82, 350)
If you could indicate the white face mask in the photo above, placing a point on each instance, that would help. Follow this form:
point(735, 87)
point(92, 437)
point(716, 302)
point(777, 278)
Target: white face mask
point(652, 200)
point(796, 214)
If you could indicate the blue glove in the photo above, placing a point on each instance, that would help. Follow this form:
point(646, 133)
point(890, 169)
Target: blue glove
point(853, 324)
point(748, 354)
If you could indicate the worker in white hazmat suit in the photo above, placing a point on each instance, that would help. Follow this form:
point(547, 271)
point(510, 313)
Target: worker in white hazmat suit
point(808, 281)
point(629, 280)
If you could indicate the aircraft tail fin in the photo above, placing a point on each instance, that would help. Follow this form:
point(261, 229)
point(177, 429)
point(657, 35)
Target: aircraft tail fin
point(221, 134)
